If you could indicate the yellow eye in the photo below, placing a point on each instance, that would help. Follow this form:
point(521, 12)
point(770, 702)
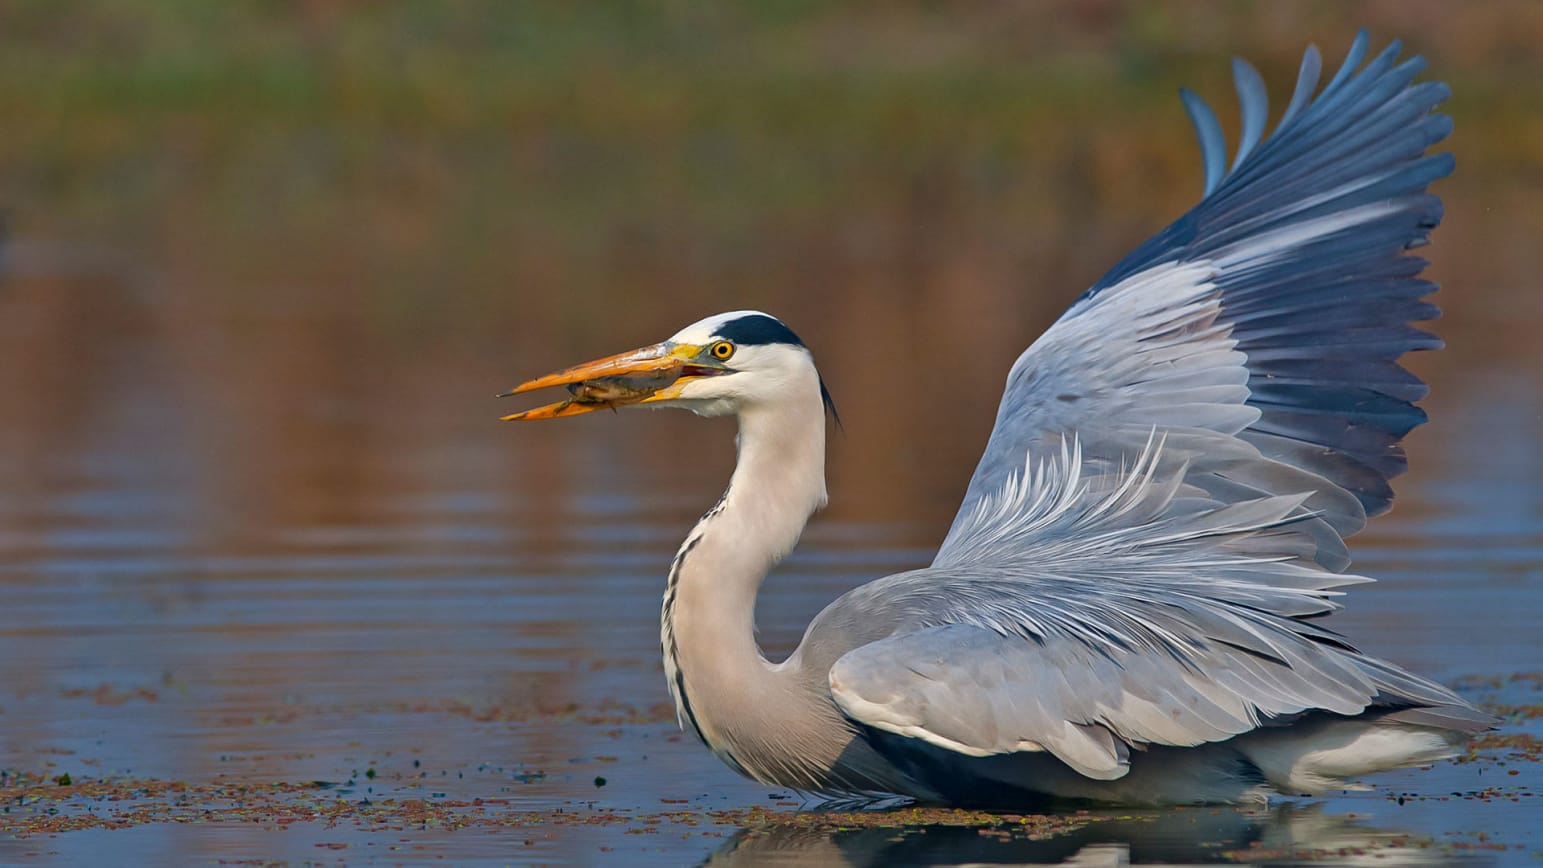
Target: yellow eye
point(722, 350)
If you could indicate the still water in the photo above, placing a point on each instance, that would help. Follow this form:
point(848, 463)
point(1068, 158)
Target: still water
point(277, 588)
point(405, 632)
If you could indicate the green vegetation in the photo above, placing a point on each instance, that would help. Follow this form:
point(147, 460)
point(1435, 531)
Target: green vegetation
point(415, 146)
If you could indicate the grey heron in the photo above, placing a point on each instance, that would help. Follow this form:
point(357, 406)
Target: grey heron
point(1126, 608)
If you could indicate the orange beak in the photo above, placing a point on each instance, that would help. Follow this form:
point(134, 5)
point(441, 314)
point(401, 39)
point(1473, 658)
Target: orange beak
point(648, 374)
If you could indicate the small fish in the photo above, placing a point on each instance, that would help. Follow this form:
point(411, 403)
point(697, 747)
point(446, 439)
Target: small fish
point(621, 389)
point(608, 391)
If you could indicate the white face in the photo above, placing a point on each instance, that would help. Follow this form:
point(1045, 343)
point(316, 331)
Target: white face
point(758, 374)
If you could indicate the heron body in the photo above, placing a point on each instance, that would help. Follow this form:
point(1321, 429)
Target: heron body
point(1126, 608)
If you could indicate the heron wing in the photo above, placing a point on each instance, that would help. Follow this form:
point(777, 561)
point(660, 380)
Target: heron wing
point(1161, 505)
point(1260, 333)
point(1123, 622)
point(976, 692)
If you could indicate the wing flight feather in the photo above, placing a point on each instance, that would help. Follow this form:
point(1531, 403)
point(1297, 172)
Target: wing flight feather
point(1161, 506)
point(1273, 314)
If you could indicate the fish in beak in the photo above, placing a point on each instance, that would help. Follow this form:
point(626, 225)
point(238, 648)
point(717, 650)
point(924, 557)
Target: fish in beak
point(646, 375)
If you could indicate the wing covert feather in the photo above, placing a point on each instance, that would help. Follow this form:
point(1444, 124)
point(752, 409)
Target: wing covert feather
point(1181, 673)
point(1162, 503)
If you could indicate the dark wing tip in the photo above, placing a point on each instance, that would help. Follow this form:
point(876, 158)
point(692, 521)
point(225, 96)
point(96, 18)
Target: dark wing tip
point(1213, 144)
point(1325, 208)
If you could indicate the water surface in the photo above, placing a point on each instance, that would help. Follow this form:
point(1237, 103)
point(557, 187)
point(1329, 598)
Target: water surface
point(277, 586)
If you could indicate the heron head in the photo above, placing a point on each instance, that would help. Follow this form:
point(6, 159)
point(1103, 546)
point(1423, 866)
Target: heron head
point(716, 367)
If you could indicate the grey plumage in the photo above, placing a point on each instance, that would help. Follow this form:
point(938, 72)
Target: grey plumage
point(1202, 427)
point(1127, 606)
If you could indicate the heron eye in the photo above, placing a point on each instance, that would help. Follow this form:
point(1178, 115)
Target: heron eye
point(722, 350)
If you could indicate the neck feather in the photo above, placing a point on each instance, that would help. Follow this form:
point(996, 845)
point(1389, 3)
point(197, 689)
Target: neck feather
point(723, 686)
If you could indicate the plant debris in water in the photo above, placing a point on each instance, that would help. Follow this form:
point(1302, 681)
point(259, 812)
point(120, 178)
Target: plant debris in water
point(56, 801)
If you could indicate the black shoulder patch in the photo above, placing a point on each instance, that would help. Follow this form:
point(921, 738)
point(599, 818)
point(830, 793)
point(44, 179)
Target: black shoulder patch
point(758, 328)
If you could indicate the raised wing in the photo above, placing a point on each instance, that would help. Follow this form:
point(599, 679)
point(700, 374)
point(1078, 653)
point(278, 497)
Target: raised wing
point(1161, 506)
point(1260, 332)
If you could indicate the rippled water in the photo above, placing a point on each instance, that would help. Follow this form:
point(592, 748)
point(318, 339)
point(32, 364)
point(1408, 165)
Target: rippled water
point(457, 610)
point(276, 586)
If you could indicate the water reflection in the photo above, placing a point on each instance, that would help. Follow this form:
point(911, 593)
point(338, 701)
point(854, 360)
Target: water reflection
point(1286, 835)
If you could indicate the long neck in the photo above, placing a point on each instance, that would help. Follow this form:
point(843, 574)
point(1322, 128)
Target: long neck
point(723, 686)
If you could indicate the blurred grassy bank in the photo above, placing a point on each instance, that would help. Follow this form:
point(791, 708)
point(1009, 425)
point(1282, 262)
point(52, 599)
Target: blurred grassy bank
point(284, 250)
point(445, 164)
